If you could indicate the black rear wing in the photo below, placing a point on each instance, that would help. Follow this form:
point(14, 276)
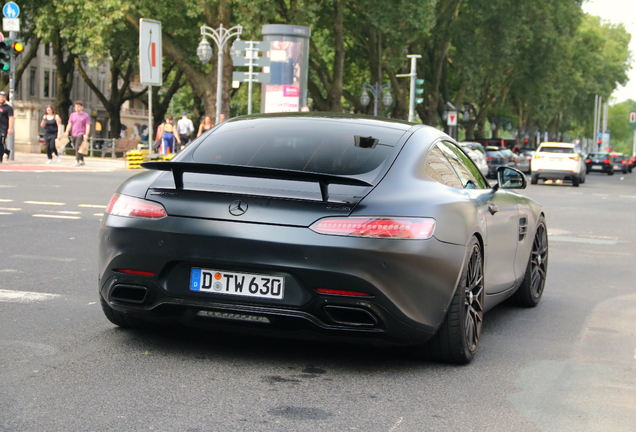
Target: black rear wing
point(324, 180)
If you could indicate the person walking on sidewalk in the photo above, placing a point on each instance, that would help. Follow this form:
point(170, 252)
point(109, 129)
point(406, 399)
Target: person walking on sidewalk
point(6, 125)
point(52, 124)
point(79, 127)
point(185, 129)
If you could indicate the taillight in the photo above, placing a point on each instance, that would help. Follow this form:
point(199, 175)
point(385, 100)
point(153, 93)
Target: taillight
point(343, 292)
point(538, 156)
point(574, 158)
point(135, 272)
point(606, 161)
point(588, 160)
point(124, 205)
point(623, 162)
point(376, 227)
point(489, 159)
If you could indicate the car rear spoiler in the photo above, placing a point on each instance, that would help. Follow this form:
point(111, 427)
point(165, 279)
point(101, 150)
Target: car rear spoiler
point(324, 180)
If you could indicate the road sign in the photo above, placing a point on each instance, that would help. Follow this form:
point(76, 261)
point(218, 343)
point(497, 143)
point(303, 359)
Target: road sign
point(258, 77)
point(242, 45)
point(11, 10)
point(150, 55)
point(256, 61)
point(632, 117)
point(452, 118)
point(11, 24)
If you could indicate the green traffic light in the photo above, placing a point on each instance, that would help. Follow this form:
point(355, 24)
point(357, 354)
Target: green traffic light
point(5, 67)
point(419, 82)
point(419, 91)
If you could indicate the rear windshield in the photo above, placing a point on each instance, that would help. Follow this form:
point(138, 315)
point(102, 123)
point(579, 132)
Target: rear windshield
point(300, 144)
point(598, 155)
point(557, 150)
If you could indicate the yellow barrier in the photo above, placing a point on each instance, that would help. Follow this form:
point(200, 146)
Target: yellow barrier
point(134, 158)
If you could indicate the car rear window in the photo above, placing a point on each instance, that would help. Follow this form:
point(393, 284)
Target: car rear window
point(548, 149)
point(299, 144)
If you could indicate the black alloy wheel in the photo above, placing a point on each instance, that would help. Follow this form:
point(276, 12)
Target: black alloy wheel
point(531, 289)
point(457, 338)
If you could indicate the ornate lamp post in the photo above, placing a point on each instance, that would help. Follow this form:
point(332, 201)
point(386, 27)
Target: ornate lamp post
point(376, 90)
point(204, 52)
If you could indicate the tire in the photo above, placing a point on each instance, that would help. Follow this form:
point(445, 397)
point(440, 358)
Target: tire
point(531, 289)
point(534, 179)
point(576, 181)
point(457, 338)
point(123, 320)
point(610, 172)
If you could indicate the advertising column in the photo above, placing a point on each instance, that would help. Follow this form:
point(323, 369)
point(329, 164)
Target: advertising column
point(289, 57)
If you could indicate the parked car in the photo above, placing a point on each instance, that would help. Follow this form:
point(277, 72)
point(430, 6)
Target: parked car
point(599, 162)
point(620, 162)
point(558, 161)
point(346, 227)
point(478, 157)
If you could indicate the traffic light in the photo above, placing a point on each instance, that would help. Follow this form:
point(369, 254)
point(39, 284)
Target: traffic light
point(632, 117)
point(5, 56)
point(419, 91)
point(17, 46)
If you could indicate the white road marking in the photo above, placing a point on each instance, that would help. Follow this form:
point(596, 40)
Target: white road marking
point(45, 203)
point(8, 271)
point(45, 258)
point(395, 426)
point(10, 208)
point(98, 214)
point(92, 206)
point(10, 296)
point(6, 200)
point(601, 195)
point(56, 216)
point(627, 196)
point(66, 212)
point(5, 213)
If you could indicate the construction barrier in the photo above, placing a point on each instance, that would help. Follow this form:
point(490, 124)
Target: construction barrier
point(134, 158)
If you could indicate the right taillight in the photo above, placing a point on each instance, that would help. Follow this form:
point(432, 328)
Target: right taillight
point(127, 206)
point(376, 227)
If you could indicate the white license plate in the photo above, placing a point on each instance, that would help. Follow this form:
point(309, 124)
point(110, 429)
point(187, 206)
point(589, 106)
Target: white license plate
point(237, 284)
point(597, 167)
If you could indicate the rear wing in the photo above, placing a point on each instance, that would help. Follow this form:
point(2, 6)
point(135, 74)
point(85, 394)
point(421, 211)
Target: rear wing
point(324, 180)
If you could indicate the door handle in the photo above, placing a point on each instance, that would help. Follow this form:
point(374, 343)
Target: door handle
point(492, 208)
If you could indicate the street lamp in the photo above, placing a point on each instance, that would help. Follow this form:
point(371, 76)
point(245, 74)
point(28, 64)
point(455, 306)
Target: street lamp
point(376, 90)
point(204, 51)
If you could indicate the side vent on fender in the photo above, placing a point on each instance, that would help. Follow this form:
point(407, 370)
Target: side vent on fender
point(523, 228)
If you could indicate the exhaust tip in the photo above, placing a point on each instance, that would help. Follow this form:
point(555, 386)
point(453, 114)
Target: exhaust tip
point(350, 316)
point(129, 294)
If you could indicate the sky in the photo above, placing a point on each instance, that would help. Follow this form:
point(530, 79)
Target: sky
point(619, 11)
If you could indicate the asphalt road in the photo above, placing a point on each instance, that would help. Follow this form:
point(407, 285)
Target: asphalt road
point(567, 365)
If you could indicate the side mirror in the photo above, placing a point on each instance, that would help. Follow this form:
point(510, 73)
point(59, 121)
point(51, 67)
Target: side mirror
point(510, 178)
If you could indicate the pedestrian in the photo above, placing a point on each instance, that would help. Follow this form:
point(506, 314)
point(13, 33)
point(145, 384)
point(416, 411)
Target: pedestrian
point(205, 125)
point(221, 118)
point(168, 136)
point(79, 127)
point(52, 124)
point(185, 129)
point(6, 125)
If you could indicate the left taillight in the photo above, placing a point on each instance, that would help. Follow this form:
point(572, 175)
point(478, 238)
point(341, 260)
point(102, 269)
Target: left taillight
point(376, 227)
point(127, 206)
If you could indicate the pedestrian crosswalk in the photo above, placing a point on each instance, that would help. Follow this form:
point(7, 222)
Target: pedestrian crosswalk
point(44, 209)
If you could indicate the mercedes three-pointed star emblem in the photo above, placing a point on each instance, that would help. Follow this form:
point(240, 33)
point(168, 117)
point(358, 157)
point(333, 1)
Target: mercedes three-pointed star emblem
point(238, 208)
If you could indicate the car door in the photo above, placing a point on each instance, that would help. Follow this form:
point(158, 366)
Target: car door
point(499, 212)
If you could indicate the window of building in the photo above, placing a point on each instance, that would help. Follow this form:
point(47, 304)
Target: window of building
point(54, 83)
point(47, 49)
point(32, 81)
point(46, 89)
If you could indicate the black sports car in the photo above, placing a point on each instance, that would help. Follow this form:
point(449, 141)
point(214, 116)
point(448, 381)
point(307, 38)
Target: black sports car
point(340, 226)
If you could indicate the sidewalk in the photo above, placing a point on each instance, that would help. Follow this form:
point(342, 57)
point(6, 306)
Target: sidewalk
point(39, 159)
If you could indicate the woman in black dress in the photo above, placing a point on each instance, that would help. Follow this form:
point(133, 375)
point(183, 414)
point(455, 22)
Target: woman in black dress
point(52, 124)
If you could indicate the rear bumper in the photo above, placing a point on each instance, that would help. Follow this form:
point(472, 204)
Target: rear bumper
point(554, 174)
point(410, 282)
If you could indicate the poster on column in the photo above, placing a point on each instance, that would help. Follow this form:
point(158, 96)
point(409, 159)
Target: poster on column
point(283, 90)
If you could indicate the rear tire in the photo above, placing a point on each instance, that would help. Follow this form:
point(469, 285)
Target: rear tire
point(531, 289)
point(534, 179)
point(611, 172)
point(457, 338)
point(576, 181)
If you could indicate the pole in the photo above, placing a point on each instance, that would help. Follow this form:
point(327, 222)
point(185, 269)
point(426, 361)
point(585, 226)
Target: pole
point(11, 138)
point(595, 132)
point(250, 54)
point(219, 83)
point(150, 140)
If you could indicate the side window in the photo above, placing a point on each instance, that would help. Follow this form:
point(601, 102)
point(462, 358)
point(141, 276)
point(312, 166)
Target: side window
point(466, 170)
point(439, 169)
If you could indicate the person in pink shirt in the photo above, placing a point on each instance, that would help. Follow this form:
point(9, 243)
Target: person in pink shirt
point(79, 126)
